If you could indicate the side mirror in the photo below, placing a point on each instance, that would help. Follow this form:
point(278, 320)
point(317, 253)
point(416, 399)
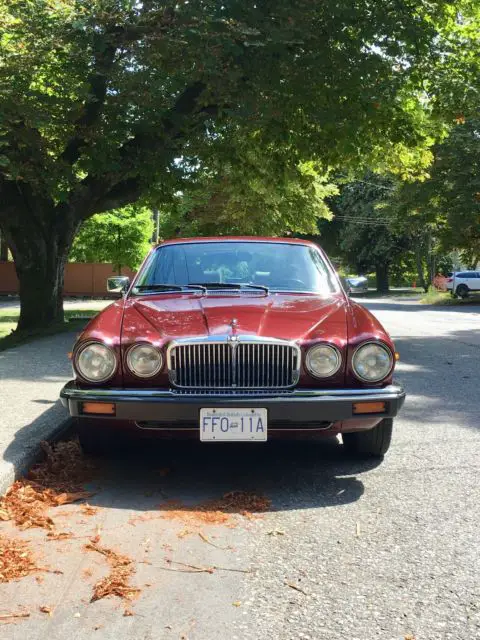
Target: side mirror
point(118, 284)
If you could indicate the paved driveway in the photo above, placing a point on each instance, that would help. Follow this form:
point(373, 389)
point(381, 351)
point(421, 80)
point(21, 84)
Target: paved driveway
point(348, 551)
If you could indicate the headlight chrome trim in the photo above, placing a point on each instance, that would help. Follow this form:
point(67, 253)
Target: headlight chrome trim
point(78, 352)
point(137, 345)
point(377, 343)
point(337, 352)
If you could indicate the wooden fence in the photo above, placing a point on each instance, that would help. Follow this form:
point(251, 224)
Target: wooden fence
point(81, 279)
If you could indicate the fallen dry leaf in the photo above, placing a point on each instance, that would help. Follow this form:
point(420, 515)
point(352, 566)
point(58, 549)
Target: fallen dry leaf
point(59, 535)
point(16, 559)
point(117, 583)
point(46, 609)
point(53, 482)
point(237, 603)
point(9, 618)
point(217, 511)
point(88, 510)
point(127, 613)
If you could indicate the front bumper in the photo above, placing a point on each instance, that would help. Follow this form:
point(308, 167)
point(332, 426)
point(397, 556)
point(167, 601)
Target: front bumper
point(150, 407)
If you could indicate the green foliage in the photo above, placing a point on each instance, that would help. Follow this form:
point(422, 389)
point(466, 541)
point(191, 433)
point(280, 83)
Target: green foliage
point(99, 99)
point(248, 194)
point(366, 240)
point(448, 202)
point(121, 237)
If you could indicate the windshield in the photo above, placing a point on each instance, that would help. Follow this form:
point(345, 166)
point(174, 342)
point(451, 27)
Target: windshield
point(272, 265)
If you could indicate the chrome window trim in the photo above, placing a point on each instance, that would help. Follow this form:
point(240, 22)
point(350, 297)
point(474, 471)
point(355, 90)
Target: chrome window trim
point(379, 343)
point(234, 341)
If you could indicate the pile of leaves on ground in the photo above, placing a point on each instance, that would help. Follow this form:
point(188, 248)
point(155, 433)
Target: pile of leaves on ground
point(117, 582)
point(16, 559)
point(57, 480)
point(218, 511)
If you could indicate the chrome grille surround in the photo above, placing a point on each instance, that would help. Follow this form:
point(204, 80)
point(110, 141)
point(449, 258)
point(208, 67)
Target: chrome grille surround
point(233, 362)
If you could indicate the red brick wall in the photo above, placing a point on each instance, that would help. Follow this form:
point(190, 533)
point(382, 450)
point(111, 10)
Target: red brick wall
point(81, 279)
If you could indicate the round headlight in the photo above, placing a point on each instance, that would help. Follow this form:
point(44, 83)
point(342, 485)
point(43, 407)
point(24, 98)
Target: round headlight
point(323, 361)
point(372, 362)
point(96, 362)
point(144, 360)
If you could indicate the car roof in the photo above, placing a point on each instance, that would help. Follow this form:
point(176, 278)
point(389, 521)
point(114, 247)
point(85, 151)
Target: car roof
point(252, 239)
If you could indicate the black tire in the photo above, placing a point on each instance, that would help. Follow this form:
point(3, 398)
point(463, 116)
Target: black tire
point(98, 441)
point(462, 291)
point(372, 443)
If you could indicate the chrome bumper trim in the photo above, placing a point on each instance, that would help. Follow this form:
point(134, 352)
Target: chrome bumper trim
point(71, 392)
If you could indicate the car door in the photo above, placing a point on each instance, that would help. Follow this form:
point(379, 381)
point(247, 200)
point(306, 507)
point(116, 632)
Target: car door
point(474, 280)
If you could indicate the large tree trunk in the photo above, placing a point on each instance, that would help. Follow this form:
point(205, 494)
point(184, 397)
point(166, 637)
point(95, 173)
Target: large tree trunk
point(3, 248)
point(381, 271)
point(420, 271)
point(40, 253)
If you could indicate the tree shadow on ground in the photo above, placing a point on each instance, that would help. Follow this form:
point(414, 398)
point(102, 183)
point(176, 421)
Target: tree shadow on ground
point(293, 475)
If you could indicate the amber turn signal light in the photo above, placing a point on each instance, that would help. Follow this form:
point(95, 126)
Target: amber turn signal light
point(103, 408)
point(369, 407)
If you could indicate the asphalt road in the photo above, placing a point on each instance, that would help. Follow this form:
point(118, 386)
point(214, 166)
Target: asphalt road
point(348, 551)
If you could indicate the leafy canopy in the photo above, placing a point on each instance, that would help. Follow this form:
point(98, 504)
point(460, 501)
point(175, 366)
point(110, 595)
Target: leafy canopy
point(448, 201)
point(100, 98)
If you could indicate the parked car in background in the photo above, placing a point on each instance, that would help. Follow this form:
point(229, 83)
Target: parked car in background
point(462, 283)
point(235, 339)
point(357, 284)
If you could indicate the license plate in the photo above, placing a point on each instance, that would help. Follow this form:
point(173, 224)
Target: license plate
point(233, 425)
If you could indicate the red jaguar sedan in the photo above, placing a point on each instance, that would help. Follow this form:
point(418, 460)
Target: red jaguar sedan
point(234, 339)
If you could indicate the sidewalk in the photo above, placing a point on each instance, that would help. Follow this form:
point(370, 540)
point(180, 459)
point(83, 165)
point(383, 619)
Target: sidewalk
point(31, 376)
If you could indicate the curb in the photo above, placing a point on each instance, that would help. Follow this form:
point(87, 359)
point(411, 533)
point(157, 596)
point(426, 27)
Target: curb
point(12, 470)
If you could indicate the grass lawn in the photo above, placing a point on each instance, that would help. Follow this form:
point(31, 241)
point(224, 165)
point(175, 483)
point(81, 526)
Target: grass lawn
point(393, 293)
point(444, 298)
point(75, 319)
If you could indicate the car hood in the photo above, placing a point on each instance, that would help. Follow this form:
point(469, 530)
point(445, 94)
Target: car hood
point(287, 316)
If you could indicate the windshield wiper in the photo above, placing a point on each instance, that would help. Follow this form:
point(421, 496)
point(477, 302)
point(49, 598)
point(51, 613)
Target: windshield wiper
point(169, 287)
point(229, 285)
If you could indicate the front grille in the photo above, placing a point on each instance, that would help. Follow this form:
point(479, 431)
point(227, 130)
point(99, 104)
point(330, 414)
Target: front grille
point(234, 364)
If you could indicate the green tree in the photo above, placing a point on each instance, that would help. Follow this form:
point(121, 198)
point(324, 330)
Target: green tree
point(100, 99)
point(121, 237)
point(244, 190)
point(363, 236)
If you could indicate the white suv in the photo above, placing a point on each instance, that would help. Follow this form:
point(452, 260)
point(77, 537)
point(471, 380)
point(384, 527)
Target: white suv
point(461, 283)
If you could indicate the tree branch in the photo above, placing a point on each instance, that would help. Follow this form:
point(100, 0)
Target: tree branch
point(98, 81)
point(105, 47)
point(103, 192)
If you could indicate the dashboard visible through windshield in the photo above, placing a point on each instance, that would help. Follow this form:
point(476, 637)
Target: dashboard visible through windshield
point(267, 266)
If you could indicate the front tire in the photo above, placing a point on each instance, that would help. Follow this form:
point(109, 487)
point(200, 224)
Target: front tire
point(372, 443)
point(462, 291)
